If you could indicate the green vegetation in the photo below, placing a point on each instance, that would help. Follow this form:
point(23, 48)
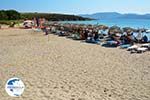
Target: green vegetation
point(8, 16)
point(53, 17)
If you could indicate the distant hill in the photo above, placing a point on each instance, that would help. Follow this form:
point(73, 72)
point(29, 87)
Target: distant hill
point(15, 15)
point(53, 16)
point(115, 15)
point(104, 15)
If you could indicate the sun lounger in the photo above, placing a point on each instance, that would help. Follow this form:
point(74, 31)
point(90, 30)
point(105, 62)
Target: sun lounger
point(145, 45)
point(110, 43)
point(141, 50)
point(125, 46)
point(134, 47)
point(93, 41)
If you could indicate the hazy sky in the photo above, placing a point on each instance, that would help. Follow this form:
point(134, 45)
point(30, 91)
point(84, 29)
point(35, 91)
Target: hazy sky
point(78, 6)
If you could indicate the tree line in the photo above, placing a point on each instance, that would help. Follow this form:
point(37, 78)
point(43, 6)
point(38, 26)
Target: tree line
point(15, 15)
point(9, 15)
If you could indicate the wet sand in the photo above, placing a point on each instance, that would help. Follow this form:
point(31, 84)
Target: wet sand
point(64, 69)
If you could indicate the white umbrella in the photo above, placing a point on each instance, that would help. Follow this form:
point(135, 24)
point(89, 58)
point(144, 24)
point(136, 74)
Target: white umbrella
point(139, 36)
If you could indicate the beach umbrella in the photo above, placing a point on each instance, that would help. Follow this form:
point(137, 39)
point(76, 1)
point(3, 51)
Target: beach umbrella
point(139, 36)
point(103, 27)
point(128, 29)
point(115, 29)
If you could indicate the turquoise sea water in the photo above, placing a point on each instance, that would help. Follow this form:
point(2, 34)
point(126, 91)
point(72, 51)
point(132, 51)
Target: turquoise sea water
point(134, 23)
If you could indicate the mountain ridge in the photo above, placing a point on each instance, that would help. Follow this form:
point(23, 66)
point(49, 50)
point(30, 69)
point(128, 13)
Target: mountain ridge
point(115, 15)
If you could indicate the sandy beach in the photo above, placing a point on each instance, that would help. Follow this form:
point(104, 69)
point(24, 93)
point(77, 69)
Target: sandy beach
point(64, 69)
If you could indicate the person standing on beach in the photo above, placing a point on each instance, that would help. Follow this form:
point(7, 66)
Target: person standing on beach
point(37, 22)
point(34, 20)
point(42, 26)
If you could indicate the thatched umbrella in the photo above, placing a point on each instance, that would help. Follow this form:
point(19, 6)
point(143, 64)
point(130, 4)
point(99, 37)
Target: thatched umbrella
point(129, 29)
point(141, 30)
point(103, 27)
point(114, 30)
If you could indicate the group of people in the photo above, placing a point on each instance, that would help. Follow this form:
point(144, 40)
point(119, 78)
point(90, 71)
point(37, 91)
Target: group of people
point(94, 34)
point(110, 36)
point(35, 23)
point(77, 32)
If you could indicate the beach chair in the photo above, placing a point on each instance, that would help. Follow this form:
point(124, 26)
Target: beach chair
point(125, 46)
point(138, 49)
point(134, 47)
point(141, 49)
point(91, 40)
point(111, 44)
point(146, 46)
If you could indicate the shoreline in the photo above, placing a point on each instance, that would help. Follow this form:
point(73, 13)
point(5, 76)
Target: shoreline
point(114, 22)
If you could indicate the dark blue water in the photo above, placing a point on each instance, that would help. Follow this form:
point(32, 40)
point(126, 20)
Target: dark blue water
point(134, 23)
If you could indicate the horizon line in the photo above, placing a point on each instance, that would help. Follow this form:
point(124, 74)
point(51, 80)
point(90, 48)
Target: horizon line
point(50, 12)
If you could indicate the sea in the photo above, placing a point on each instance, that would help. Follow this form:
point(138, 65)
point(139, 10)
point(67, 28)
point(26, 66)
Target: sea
point(133, 23)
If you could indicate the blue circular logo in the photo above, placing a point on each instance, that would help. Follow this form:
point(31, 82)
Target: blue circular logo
point(14, 87)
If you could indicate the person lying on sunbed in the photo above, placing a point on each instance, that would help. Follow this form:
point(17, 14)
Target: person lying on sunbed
point(127, 38)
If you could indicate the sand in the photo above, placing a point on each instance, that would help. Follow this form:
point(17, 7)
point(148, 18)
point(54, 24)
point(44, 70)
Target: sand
point(64, 69)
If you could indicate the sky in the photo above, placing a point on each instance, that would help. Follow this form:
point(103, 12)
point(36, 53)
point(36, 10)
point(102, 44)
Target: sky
point(77, 6)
